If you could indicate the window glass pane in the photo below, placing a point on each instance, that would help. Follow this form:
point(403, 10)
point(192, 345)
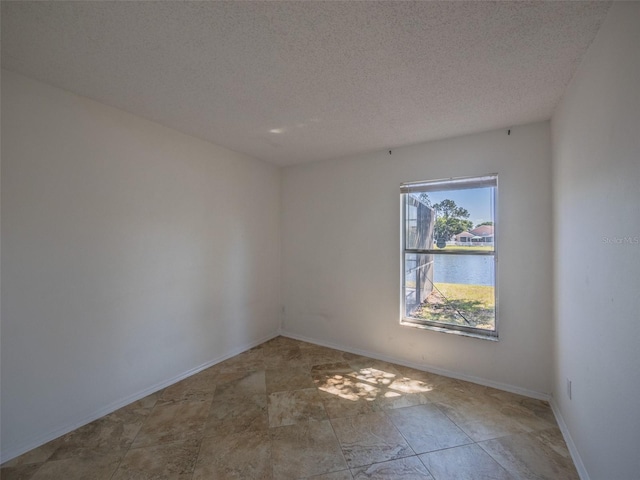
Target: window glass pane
point(454, 289)
point(418, 280)
point(452, 219)
point(464, 219)
point(451, 284)
point(419, 221)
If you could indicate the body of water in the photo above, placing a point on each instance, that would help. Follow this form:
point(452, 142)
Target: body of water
point(470, 269)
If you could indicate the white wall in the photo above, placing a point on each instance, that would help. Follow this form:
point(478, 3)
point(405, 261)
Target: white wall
point(131, 254)
point(596, 153)
point(341, 255)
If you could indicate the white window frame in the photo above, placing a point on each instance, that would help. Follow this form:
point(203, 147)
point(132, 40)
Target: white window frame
point(458, 183)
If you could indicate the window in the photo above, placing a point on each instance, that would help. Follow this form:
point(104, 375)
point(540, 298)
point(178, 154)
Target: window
point(449, 255)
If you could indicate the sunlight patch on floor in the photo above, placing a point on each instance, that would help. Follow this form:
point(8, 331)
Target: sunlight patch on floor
point(369, 384)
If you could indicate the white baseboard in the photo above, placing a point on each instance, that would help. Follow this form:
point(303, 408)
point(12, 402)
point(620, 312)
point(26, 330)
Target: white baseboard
point(575, 456)
point(427, 368)
point(15, 451)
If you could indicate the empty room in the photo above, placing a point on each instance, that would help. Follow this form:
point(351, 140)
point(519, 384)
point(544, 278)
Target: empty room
point(320, 240)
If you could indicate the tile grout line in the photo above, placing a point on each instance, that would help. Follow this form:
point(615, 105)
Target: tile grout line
point(341, 450)
point(195, 463)
point(266, 393)
point(416, 454)
point(494, 459)
point(137, 433)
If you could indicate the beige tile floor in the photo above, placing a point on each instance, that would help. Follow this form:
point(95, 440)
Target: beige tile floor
point(292, 410)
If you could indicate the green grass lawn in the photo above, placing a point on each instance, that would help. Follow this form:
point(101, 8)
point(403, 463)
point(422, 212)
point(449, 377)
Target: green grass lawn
point(460, 304)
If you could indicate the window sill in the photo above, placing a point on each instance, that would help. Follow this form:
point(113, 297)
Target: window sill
point(422, 326)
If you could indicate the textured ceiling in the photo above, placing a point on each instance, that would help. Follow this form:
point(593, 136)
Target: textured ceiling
point(291, 82)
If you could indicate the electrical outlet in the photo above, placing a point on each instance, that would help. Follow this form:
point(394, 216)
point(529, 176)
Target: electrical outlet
point(569, 388)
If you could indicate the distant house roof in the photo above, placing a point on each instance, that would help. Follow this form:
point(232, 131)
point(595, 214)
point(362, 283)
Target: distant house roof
point(482, 231)
point(464, 234)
